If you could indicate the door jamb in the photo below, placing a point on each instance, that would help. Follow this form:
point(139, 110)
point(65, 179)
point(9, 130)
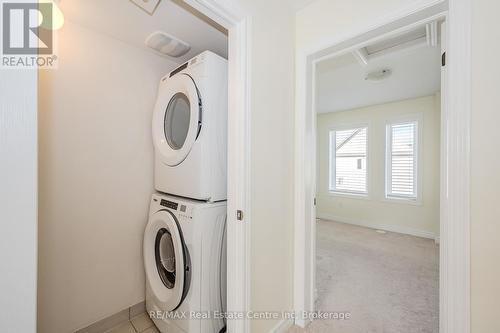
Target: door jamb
point(238, 23)
point(455, 197)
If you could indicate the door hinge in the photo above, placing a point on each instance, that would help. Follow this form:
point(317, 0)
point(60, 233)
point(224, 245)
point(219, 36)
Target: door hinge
point(239, 215)
point(443, 59)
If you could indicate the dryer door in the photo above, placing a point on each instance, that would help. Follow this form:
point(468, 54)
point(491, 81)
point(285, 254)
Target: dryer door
point(166, 260)
point(176, 119)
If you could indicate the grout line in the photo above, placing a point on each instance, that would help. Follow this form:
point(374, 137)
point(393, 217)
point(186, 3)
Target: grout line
point(127, 313)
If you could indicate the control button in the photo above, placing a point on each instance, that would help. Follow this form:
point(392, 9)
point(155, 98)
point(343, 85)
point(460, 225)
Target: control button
point(169, 204)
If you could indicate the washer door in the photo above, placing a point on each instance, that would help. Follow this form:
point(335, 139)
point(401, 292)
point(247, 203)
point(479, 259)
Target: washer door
point(176, 119)
point(166, 260)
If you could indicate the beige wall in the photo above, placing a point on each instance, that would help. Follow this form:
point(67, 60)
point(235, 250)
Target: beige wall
point(96, 177)
point(485, 168)
point(375, 211)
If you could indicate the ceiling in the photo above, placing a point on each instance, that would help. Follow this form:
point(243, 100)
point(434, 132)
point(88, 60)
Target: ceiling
point(415, 67)
point(125, 21)
point(299, 4)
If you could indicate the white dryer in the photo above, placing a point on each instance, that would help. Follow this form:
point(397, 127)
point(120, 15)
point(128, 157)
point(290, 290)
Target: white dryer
point(190, 130)
point(185, 261)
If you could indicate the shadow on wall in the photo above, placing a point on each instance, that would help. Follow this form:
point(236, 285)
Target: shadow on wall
point(96, 177)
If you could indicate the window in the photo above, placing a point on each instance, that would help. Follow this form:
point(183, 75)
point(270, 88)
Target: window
point(348, 160)
point(402, 160)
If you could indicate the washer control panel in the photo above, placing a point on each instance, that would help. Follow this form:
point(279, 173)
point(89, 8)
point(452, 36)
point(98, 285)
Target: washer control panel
point(182, 210)
point(169, 204)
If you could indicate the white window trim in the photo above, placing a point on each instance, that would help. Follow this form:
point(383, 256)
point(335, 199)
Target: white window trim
point(418, 161)
point(332, 166)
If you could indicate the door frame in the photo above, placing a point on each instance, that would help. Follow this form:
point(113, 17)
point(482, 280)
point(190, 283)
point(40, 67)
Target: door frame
point(238, 23)
point(455, 176)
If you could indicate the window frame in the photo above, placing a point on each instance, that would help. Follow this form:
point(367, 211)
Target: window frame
point(332, 162)
point(417, 160)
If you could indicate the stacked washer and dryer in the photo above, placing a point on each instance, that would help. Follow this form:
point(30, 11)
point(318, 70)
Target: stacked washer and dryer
point(184, 241)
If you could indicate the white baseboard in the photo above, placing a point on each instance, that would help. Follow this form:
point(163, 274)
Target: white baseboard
point(386, 227)
point(282, 326)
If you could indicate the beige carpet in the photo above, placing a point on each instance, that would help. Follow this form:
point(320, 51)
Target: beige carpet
point(388, 282)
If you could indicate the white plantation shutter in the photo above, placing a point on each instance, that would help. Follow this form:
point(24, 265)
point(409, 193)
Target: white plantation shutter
point(402, 160)
point(348, 160)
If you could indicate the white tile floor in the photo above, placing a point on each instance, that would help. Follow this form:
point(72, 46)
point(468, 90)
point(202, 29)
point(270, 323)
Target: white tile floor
point(139, 324)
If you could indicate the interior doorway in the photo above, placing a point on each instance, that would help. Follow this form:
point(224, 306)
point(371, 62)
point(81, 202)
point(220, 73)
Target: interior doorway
point(378, 127)
point(452, 198)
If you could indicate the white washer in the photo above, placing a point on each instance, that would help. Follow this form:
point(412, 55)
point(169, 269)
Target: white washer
point(185, 262)
point(190, 130)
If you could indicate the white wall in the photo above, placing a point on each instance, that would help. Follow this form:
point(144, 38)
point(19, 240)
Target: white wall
point(96, 177)
point(375, 211)
point(18, 200)
point(485, 166)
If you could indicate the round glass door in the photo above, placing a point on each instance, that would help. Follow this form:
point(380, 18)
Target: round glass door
point(165, 257)
point(177, 121)
point(166, 260)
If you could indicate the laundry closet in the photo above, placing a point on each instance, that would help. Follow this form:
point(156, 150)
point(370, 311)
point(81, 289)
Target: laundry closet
point(132, 160)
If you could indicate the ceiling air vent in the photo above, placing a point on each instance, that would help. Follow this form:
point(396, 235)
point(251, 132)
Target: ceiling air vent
point(404, 40)
point(166, 44)
point(423, 35)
